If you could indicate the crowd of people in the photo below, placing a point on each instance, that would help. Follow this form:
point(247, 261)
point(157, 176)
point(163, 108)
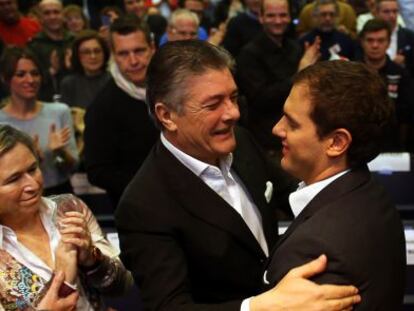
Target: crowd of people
point(149, 98)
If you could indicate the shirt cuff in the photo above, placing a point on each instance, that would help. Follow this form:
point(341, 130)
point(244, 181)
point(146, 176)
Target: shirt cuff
point(245, 306)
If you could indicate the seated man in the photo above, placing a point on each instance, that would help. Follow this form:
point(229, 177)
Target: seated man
point(333, 123)
point(334, 43)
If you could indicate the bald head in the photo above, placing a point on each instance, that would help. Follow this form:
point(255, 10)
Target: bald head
point(51, 16)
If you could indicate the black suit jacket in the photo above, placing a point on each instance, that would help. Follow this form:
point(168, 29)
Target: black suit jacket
point(405, 44)
point(354, 223)
point(186, 247)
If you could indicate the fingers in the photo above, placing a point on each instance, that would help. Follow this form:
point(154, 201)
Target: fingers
point(344, 303)
point(338, 291)
point(310, 269)
point(57, 281)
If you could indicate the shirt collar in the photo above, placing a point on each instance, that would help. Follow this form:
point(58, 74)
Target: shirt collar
point(47, 208)
point(196, 166)
point(299, 199)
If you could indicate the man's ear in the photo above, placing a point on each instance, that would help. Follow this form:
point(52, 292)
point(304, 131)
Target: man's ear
point(165, 116)
point(339, 142)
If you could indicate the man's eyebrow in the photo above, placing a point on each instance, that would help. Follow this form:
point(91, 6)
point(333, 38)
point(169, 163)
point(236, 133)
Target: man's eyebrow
point(289, 117)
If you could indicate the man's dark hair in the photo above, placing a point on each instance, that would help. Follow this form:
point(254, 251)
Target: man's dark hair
point(83, 36)
point(173, 65)
point(351, 96)
point(128, 24)
point(374, 25)
point(319, 3)
point(10, 58)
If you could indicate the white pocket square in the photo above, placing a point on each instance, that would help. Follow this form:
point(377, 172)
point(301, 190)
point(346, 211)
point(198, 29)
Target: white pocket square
point(269, 191)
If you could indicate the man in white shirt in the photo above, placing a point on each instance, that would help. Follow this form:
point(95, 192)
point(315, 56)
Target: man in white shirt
point(334, 120)
point(198, 220)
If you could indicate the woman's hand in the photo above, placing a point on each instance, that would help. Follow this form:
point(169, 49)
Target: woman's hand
point(58, 139)
point(52, 301)
point(66, 259)
point(75, 231)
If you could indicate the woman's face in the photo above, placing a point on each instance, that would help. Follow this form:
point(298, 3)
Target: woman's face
point(91, 56)
point(26, 80)
point(74, 22)
point(21, 183)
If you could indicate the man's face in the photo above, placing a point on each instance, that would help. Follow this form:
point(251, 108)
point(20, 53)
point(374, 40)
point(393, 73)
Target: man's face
point(136, 7)
point(375, 45)
point(132, 54)
point(303, 151)
point(275, 17)
point(9, 12)
point(51, 16)
point(388, 11)
point(205, 127)
point(325, 17)
point(184, 29)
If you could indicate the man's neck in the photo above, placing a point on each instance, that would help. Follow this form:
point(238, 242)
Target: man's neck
point(278, 40)
point(375, 64)
point(55, 35)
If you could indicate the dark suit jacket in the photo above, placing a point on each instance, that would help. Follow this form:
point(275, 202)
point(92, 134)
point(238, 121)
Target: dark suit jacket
point(354, 223)
point(186, 247)
point(405, 44)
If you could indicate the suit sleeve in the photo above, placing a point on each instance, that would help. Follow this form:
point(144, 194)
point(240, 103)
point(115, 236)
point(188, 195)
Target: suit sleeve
point(151, 251)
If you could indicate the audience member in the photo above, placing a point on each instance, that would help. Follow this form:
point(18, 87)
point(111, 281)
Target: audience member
point(242, 28)
point(375, 40)
point(50, 46)
point(75, 19)
point(45, 235)
point(15, 29)
point(118, 132)
point(90, 56)
point(204, 247)
point(333, 125)
point(156, 22)
point(363, 18)
point(198, 7)
point(346, 19)
point(182, 25)
point(50, 124)
point(334, 43)
point(264, 70)
point(401, 49)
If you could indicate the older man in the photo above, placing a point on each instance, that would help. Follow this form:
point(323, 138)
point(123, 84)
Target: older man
point(118, 130)
point(198, 220)
point(333, 124)
point(334, 43)
point(183, 25)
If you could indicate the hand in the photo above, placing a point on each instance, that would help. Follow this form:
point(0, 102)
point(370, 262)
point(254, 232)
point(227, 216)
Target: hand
point(51, 300)
point(39, 151)
point(74, 230)
point(66, 260)
point(54, 63)
point(58, 138)
point(311, 55)
point(217, 35)
point(399, 59)
point(295, 293)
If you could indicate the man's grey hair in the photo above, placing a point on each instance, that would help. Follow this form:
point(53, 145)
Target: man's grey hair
point(183, 14)
point(172, 66)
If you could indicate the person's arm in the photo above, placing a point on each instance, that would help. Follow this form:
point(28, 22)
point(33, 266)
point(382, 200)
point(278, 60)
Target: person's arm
point(296, 292)
point(97, 259)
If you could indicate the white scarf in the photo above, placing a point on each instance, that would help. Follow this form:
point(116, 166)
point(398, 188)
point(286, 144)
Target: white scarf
point(127, 86)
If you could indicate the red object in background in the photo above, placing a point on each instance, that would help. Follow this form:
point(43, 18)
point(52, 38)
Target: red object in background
point(19, 34)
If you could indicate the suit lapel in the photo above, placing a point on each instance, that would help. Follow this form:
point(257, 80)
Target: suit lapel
point(332, 192)
point(201, 201)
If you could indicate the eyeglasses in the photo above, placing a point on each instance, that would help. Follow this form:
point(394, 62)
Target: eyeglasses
point(90, 52)
point(192, 34)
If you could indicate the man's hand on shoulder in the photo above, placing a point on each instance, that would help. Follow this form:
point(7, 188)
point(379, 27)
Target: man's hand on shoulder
point(295, 293)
